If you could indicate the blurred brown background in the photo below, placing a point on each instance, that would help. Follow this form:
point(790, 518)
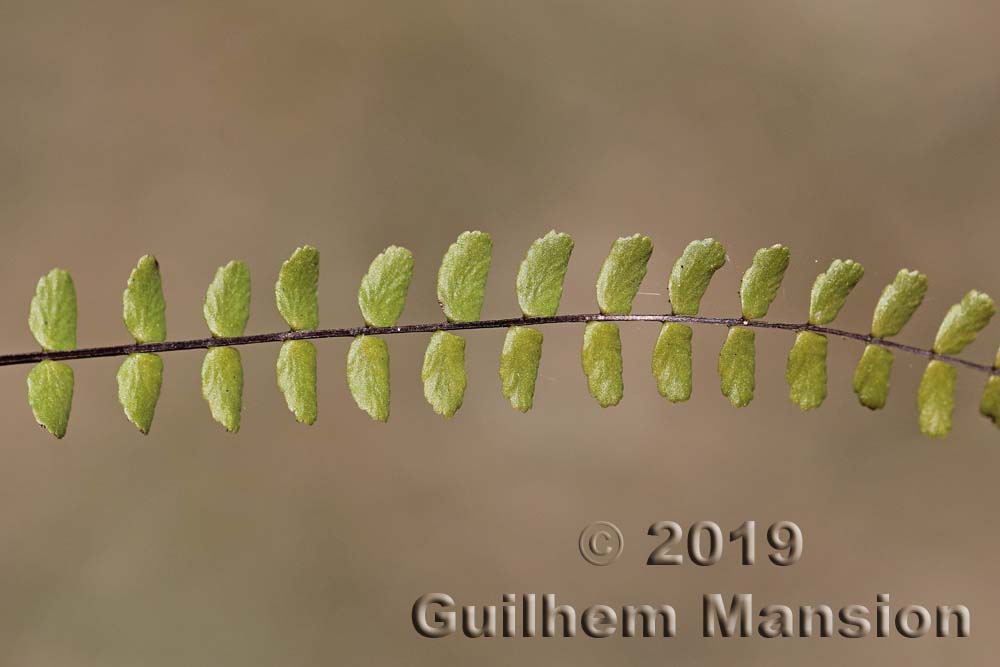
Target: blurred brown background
point(203, 132)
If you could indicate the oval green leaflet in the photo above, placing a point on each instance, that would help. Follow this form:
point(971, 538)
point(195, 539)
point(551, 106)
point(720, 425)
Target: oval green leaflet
point(936, 399)
point(297, 378)
point(806, 371)
point(368, 375)
point(296, 289)
point(899, 300)
point(622, 273)
point(737, 366)
point(143, 305)
point(50, 395)
point(52, 318)
point(383, 290)
point(443, 373)
point(871, 377)
point(222, 386)
point(140, 378)
point(831, 289)
point(461, 286)
point(227, 302)
point(963, 322)
point(602, 362)
point(519, 360)
point(672, 362)
point(542, 273)
point(762, 280)
point(691, 274)
point(989, 405)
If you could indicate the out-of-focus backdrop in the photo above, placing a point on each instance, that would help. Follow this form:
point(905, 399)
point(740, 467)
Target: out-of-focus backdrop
point(203, 132)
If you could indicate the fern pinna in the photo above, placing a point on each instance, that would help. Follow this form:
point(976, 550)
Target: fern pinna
point(461, 289)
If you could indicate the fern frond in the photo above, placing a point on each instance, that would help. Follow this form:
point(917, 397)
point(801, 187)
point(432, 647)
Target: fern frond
point(461, 291)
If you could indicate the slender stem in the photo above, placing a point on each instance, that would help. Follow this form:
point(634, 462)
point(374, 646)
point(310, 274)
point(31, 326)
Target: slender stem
point(204, 343)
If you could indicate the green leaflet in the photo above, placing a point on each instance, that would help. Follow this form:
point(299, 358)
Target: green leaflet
point(762, 280)
point(382, 294)
point(622, 273)
point(963, 321)
point(541, 275)
point(519, 360)
point(936, 399)
point(899, 300)
point(461, 286)
point(52, 318)
point(227, 302)
point(443, 373)
point(602, 362)
point(144, 309)
point(806, 371)
point(222, 385)
point(989, 405)
point(368, 376)
point(295, 291)
point(50, 395)
point(737, 362)
point(297, 379)
point(139, 380)
point(672, 362)
point(871, 377)
point(691, 274)
point(830, 290)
